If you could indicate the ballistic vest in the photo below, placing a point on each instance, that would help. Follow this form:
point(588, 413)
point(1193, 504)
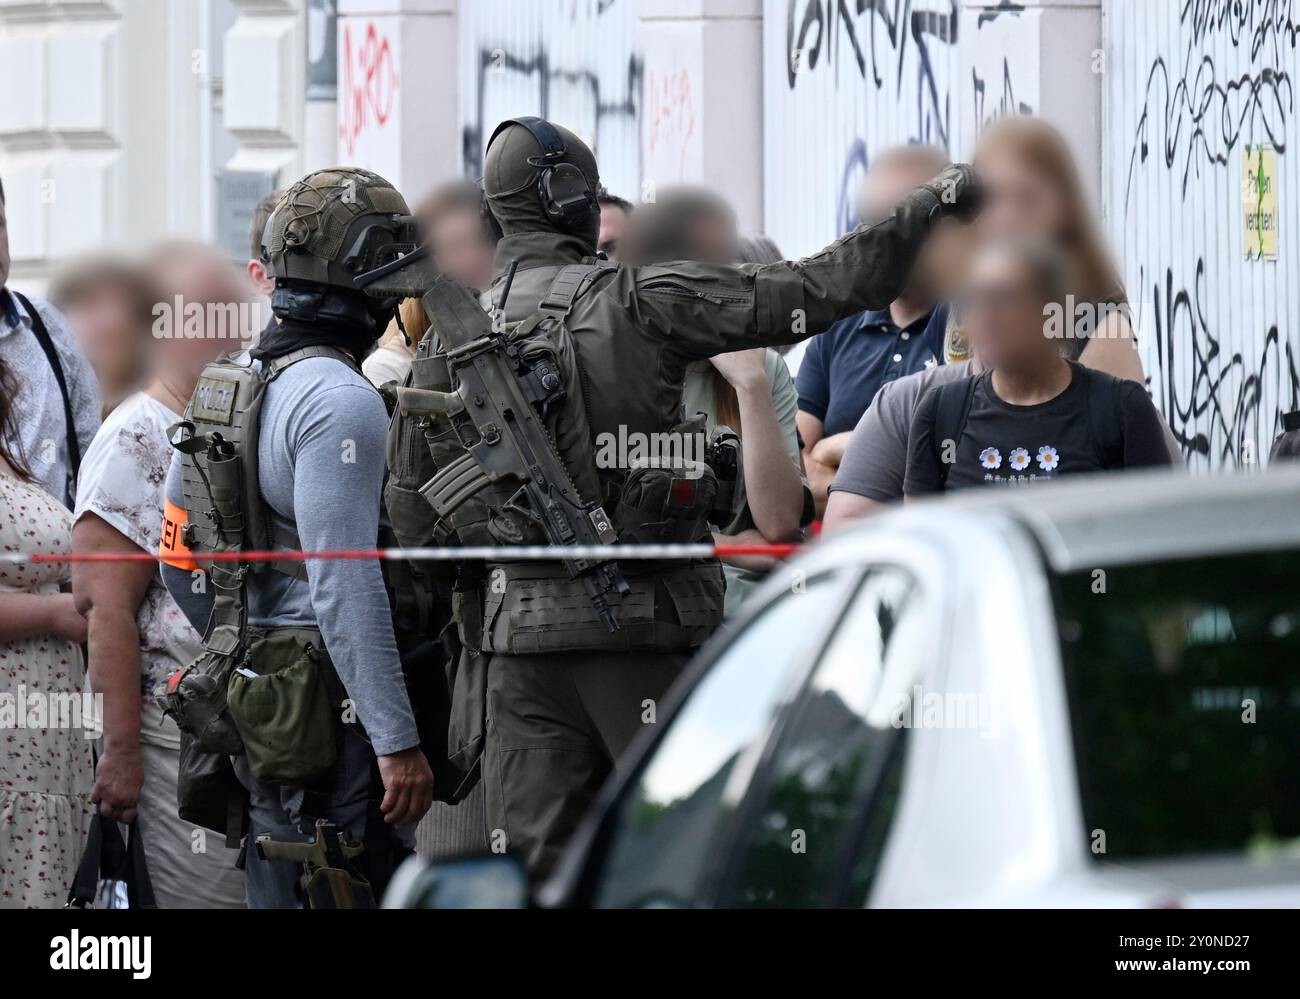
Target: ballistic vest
point(219, 473)
point(533, 607)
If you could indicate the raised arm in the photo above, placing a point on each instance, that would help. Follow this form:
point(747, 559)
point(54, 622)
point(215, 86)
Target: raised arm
point(708, 309)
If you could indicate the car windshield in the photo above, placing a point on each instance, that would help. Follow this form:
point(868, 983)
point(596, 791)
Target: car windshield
point(663, 845)
point(1184, 685)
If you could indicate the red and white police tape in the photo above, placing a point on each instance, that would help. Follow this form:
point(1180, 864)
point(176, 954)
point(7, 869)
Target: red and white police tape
point(502, 553)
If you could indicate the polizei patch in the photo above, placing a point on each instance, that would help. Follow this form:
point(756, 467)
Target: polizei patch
point(214, 400)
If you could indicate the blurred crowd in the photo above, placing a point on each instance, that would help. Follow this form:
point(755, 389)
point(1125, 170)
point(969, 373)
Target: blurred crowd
point(834, 429)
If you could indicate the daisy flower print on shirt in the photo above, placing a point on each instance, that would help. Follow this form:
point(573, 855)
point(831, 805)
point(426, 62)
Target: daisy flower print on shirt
point(991, 457)
point(1019, 459)
point(1048, 459)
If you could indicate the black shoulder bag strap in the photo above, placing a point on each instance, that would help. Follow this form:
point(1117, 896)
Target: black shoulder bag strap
point(52, 355)
point(950, 418)
point(1105, 420)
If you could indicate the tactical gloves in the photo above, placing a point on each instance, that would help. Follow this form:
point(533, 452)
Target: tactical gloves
point(958, 192)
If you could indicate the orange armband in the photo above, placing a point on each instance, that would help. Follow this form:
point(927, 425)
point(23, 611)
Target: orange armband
point(172, 549)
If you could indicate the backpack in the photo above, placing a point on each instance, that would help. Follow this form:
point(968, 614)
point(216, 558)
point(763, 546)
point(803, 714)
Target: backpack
point(1106, 425)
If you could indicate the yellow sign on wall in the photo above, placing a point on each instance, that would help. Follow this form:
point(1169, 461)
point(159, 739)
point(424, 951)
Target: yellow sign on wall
point(1259, 201)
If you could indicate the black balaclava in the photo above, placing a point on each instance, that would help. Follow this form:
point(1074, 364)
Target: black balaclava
point(510, 182)
point(312, 314)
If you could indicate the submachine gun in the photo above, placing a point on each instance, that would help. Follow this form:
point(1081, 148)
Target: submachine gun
point(497, 410)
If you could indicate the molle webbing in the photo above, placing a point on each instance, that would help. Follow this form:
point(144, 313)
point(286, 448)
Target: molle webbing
point(220, 483)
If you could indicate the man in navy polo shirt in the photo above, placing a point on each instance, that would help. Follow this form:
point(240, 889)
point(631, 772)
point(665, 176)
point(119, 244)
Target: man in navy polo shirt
point(844, 368)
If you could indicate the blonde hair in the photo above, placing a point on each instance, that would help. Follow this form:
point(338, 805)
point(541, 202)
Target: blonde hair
point(414, 320)
point(1042, 147)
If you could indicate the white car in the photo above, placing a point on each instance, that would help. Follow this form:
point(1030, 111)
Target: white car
point(1084, 694)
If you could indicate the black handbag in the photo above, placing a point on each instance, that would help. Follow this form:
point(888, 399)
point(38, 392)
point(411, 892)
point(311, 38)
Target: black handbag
point(208, 793)
point(112, 873)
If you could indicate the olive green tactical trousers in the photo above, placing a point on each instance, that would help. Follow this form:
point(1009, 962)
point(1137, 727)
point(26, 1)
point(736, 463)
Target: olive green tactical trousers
point(556, 726)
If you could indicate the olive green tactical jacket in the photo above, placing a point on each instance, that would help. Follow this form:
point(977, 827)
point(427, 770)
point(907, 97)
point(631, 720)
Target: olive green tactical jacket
point(637, 328)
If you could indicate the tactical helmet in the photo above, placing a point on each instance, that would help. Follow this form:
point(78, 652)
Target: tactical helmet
point(336, 224)
point(540, 177)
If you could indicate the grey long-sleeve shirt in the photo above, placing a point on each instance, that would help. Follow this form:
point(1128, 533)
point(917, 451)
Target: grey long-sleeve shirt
point(321, 468)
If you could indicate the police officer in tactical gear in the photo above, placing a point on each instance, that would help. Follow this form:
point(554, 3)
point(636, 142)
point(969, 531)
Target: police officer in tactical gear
point(282, 448)
point(549, 691)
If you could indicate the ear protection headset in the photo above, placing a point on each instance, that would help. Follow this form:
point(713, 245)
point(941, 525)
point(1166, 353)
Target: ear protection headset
point(562, 188)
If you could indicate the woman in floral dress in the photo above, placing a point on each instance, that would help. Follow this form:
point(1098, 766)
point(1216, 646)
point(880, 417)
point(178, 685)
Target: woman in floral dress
point(45, 748)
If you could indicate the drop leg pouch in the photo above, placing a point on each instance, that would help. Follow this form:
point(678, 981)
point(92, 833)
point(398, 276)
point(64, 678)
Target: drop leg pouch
point(282, 702)
point(195, 698)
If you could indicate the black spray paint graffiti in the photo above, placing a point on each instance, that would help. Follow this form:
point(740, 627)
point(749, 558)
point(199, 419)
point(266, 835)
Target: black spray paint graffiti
point(827, 25)
point(1215, 402)
point(1204, 119)
point(855, 169)
point(1267, 22)
point(1193, 117)
point(498, 64)
point(993, 13)
point(1005, 103)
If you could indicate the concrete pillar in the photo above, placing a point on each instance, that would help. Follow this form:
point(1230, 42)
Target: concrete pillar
point(265, 86)
point(321, 120)
point(397, 97)
point(702, 116)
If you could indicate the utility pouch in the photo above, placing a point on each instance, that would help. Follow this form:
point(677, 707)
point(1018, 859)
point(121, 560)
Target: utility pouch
point(726, 458)
point(280, 702)
point(467, 680)
point(208, 793)
point(225, 490)
point(659, 505)
point(411, 458)
point(195, 697)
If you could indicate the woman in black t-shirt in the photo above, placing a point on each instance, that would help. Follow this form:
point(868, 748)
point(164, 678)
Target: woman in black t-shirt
point(1032, 415)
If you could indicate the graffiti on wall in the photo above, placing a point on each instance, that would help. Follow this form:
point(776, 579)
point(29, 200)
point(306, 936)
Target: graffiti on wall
point(988, 48)
point(844, 80)
point(671, 127)
point(1191, 83)
point(571, 61)
point(1217, 395)
point(881, 36)
point(1198, 110)
point(368, 83)
point(841, 81)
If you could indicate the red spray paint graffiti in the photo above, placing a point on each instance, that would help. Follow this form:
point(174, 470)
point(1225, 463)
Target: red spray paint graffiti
point(671, 115)
point(368, 88)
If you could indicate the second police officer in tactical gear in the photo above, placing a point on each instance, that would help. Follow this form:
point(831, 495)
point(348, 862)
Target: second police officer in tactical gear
point(300, 679)
point(558, 673)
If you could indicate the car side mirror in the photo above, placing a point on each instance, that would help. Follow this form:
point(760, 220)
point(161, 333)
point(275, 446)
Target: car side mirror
point(492, 881)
